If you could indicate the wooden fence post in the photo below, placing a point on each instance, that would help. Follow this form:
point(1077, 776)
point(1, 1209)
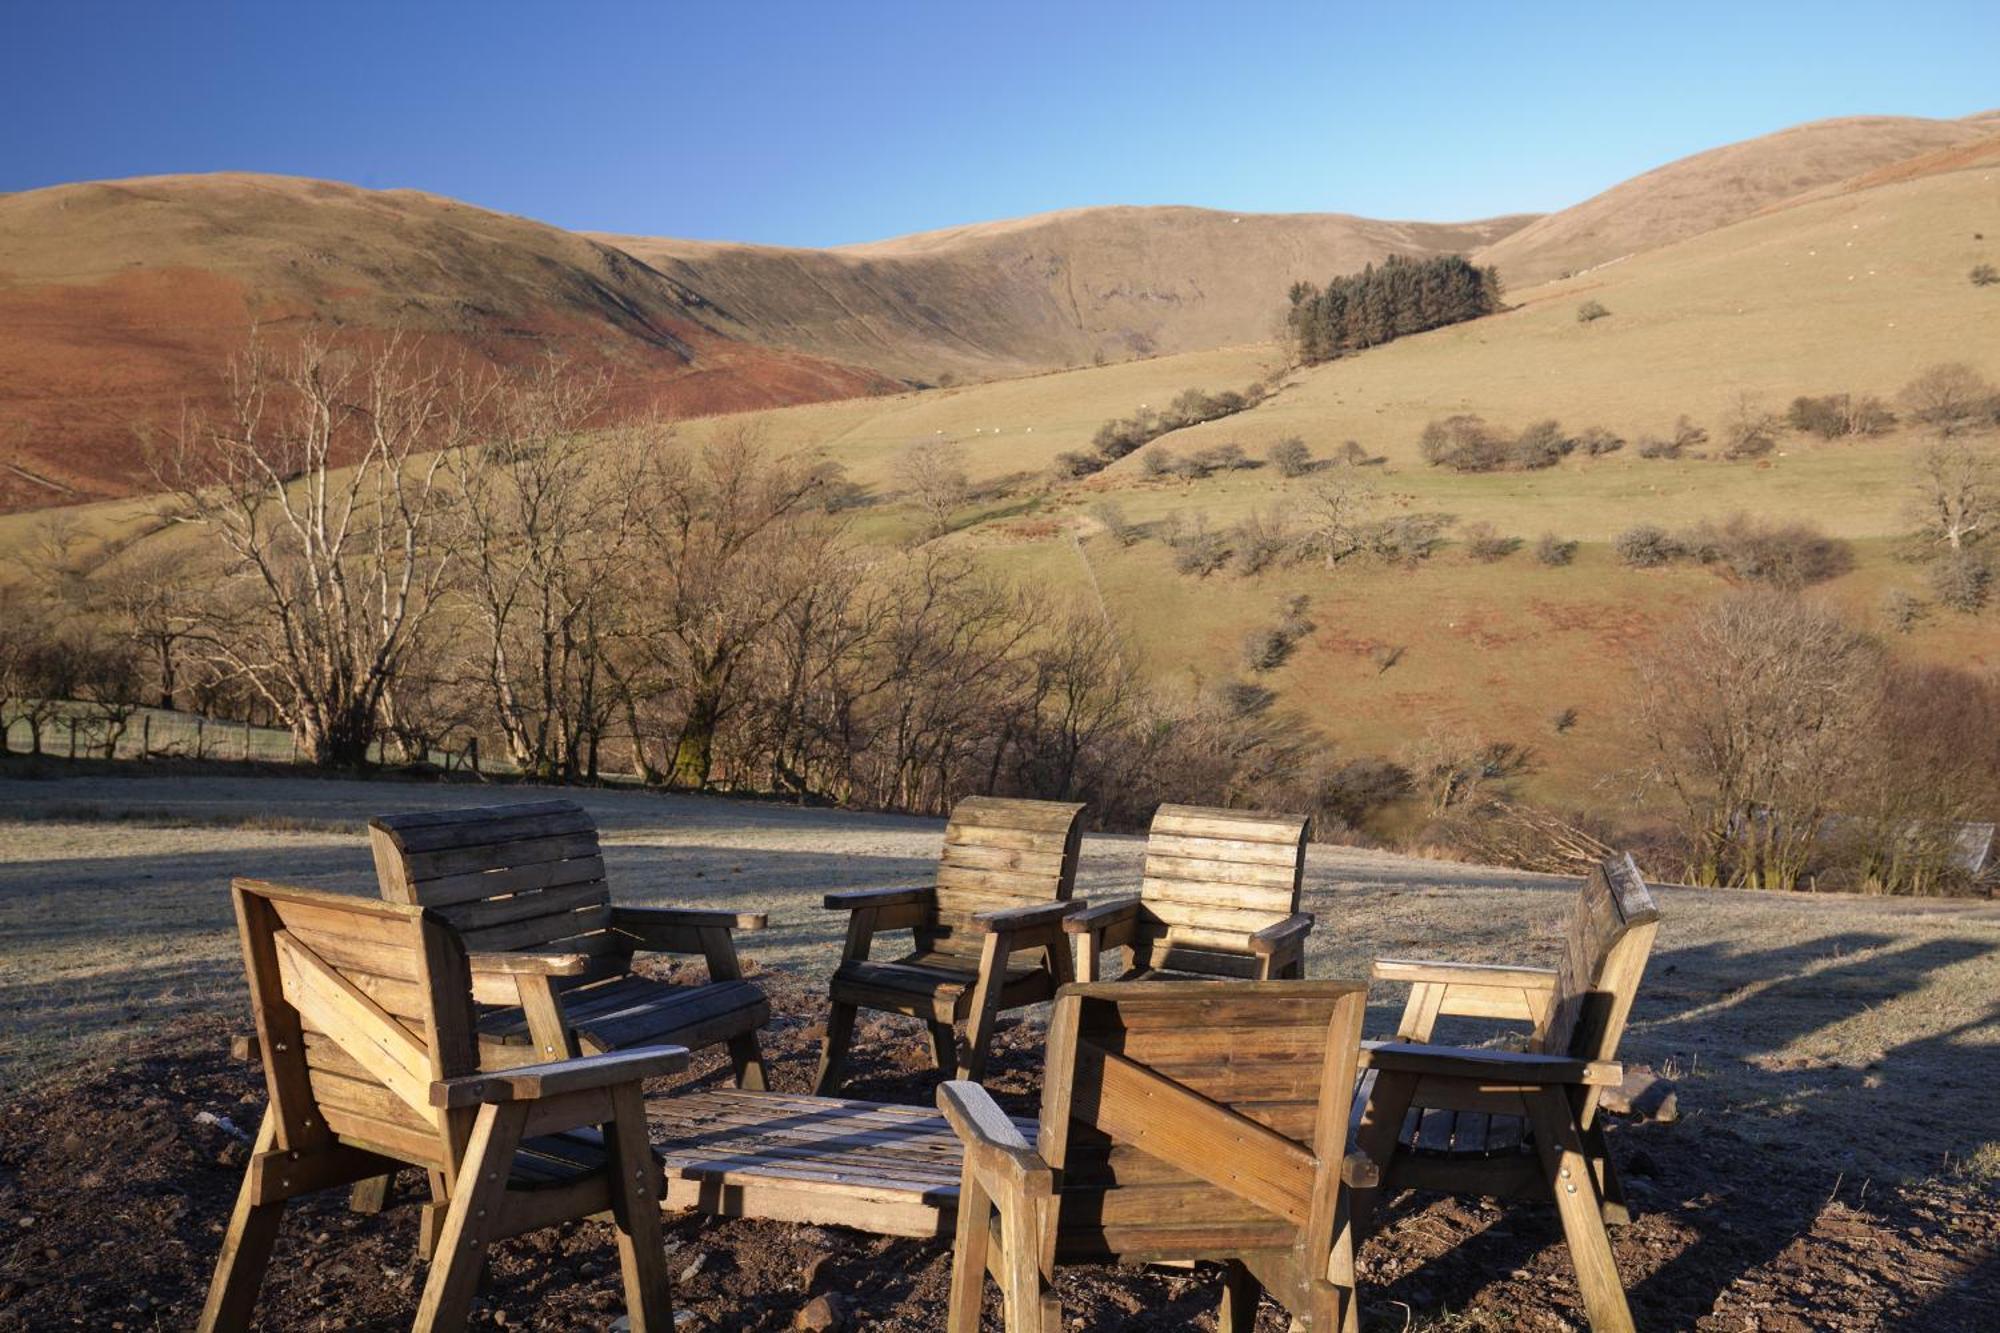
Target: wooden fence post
point(198, 729)
point(246, 740)
point(72, 738)
point(146, 736)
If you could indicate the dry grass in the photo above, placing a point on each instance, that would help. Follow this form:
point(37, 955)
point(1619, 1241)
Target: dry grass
point(1851, 1034)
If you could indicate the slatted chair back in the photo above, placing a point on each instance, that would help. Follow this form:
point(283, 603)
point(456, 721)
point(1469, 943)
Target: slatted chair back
point(507, 877)
point(360, 1006)
point(1196, 1120)
point(1213, 878)
point(1000, 853)
point(1605, 945)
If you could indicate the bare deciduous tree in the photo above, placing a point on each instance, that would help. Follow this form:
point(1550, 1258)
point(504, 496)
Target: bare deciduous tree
point(933, 472)
point(1753, 711)
point(1951, 398)
point(544, 519)
point(1957, 501)
point(319, 487)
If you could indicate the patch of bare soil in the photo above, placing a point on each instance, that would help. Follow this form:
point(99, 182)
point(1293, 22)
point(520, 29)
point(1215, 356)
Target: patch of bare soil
point(114, 1188)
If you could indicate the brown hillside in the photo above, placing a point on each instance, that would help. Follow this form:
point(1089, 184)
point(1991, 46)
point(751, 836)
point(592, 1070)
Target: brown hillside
point(1715, 188)
point(1041, 293)
point(120, 301)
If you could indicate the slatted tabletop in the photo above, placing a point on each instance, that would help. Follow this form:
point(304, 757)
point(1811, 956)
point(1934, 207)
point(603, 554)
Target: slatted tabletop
point(888, 1169)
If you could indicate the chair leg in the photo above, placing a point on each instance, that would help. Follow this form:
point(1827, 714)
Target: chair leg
point(748, 1059)
point(246, 1251)
point(968, 1255)
point(978, 1039)
point(635, 1207)
point(1577, 1203)
point(471, 1222)
point(1617, 1209)
point(833, 1056)
point(430, 1218)
point(944, 1046)
point(1240, 1291)
point(370, 1196)
point(1389, 1100)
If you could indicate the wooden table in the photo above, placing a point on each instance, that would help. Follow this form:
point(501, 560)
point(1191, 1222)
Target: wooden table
point(829, 1161)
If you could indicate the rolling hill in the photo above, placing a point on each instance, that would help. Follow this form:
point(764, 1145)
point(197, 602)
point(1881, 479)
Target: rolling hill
point(1717, 187)
point(1041, 293)
point(120, 301)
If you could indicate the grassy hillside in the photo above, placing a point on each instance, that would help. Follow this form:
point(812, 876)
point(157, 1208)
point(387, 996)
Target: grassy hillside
point(1854, 292)
point(1714, 188)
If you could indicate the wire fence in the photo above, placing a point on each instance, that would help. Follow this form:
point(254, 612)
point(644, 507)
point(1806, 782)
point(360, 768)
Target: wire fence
point(91, 731)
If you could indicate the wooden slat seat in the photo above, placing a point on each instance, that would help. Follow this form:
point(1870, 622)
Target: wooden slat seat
point(986, 936)
point(624, 1012)
point(1218, 897)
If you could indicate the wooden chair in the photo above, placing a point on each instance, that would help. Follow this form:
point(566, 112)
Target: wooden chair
point(1219, 896)
point(1180, 1121)
point(988, 937)
point(1497, 1123)
point(365, 1025)
point(524, 886)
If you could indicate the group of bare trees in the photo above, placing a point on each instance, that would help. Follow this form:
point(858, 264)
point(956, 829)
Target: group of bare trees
point(1797, 751)
point(373, 545)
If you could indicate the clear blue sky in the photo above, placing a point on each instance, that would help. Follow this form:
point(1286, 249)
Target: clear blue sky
point(816, 124)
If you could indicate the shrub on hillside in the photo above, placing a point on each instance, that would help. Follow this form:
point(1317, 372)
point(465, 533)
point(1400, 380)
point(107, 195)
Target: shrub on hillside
point(1406, 539)
point(1291, 457)
point(1984, 275)
point(1486, 545)
point(1902, 609)
point(1222, 458)
point(1464, 443)
point(1159, 463)
point(1952, 398)
point(1962, 580)
point(1198, 549)
point(1541, 445)
point(1555, 551)
point(1123, 435)
point(1836, 415)
point(1072, 464)
point(1263, 538)
point(1590, 312)
point(1784, 555)
point(1646, 547)
point(1353, 455)
point(1112, 515)
point(1749, 431)
point(1595, 442)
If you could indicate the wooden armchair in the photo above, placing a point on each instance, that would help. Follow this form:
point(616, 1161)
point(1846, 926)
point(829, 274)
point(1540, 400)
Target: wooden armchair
point(1180, 1121)
point(365, 1026)
point(1219, 896)
point(987, 938)
point(524, 886)
point(1498, 1123)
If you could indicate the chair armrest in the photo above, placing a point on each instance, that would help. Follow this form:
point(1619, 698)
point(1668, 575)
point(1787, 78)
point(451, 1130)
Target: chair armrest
point(1023, 918)
point(1507, 1067)
point(1097, 916)
point(1465, 974)
point(990, 1138)
point(1272, 938)
point(530, 964)
point(679, 930)
point(849, 899)
point(526, 1083)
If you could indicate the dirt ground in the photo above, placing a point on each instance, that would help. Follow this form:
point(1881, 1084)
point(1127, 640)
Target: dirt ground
point(1834, 1166)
